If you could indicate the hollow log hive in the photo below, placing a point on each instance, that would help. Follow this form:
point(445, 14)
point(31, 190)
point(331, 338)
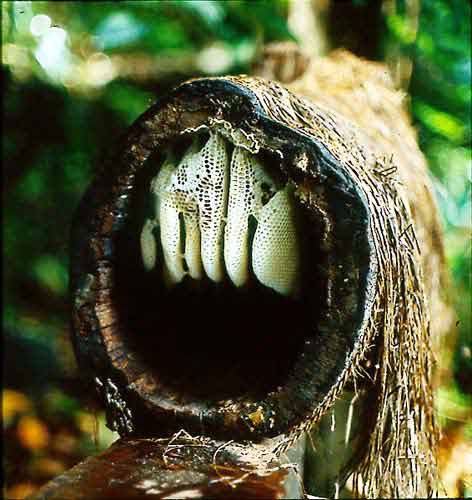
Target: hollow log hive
point(252, 250)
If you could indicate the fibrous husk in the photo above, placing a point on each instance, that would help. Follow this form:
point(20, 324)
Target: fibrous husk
point(352, 106)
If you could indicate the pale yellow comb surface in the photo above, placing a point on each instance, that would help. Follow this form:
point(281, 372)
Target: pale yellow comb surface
point(203, 206)
point(275, 250)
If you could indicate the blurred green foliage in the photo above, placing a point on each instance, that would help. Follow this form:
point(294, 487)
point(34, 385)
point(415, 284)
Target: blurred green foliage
point(441, 105)
point(76, 74)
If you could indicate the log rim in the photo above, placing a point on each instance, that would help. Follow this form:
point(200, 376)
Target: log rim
point(101, 215)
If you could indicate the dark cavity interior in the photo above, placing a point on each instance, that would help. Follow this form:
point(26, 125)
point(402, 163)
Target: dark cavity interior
point(213, 341)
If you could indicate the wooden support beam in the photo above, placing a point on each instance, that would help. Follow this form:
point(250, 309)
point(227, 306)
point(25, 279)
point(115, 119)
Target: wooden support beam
point(181, 467)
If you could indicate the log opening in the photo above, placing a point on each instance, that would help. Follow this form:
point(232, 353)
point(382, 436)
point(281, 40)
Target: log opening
point(248, 358)
point(214, 339)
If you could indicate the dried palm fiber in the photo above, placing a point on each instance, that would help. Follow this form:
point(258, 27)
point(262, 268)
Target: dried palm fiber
point(371, 133)
point(342, 138)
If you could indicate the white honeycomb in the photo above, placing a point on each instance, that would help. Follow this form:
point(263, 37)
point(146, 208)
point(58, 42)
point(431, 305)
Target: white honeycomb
point(202, 208)
point(275, 250)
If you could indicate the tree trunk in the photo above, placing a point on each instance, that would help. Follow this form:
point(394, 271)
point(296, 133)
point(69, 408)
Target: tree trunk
point(341, 140)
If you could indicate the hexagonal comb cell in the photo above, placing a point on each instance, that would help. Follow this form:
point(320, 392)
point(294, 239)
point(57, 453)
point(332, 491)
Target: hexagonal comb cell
point(223, 216)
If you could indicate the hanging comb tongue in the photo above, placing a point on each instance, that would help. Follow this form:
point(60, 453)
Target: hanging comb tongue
point(203, 206)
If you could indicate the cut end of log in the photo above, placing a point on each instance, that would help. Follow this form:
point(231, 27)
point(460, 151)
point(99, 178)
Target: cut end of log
point(222, 270)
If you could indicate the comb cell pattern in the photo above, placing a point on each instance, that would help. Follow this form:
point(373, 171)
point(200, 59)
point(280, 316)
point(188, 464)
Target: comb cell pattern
point(203, 206)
